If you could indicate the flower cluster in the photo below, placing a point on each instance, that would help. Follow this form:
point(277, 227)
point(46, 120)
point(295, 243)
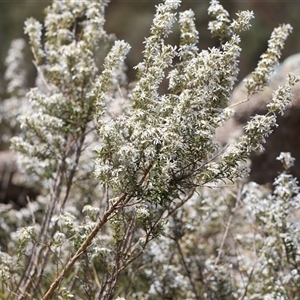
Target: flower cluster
point(265, 68)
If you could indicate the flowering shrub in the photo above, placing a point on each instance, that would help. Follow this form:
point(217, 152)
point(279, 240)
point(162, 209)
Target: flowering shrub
point(137, 199)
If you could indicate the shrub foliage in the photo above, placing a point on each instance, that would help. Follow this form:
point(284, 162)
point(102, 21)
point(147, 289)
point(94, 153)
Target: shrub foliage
point(136, 198)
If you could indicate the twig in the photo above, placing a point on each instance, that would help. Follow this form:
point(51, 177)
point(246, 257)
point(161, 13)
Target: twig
point(82, 248)
point(228, 225)
point(188, 272)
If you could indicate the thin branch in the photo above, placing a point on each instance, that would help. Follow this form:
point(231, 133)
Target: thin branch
point(240, 102)
point(187, 270)
point(182, 202)
point(82, 248)
point(228, 226)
